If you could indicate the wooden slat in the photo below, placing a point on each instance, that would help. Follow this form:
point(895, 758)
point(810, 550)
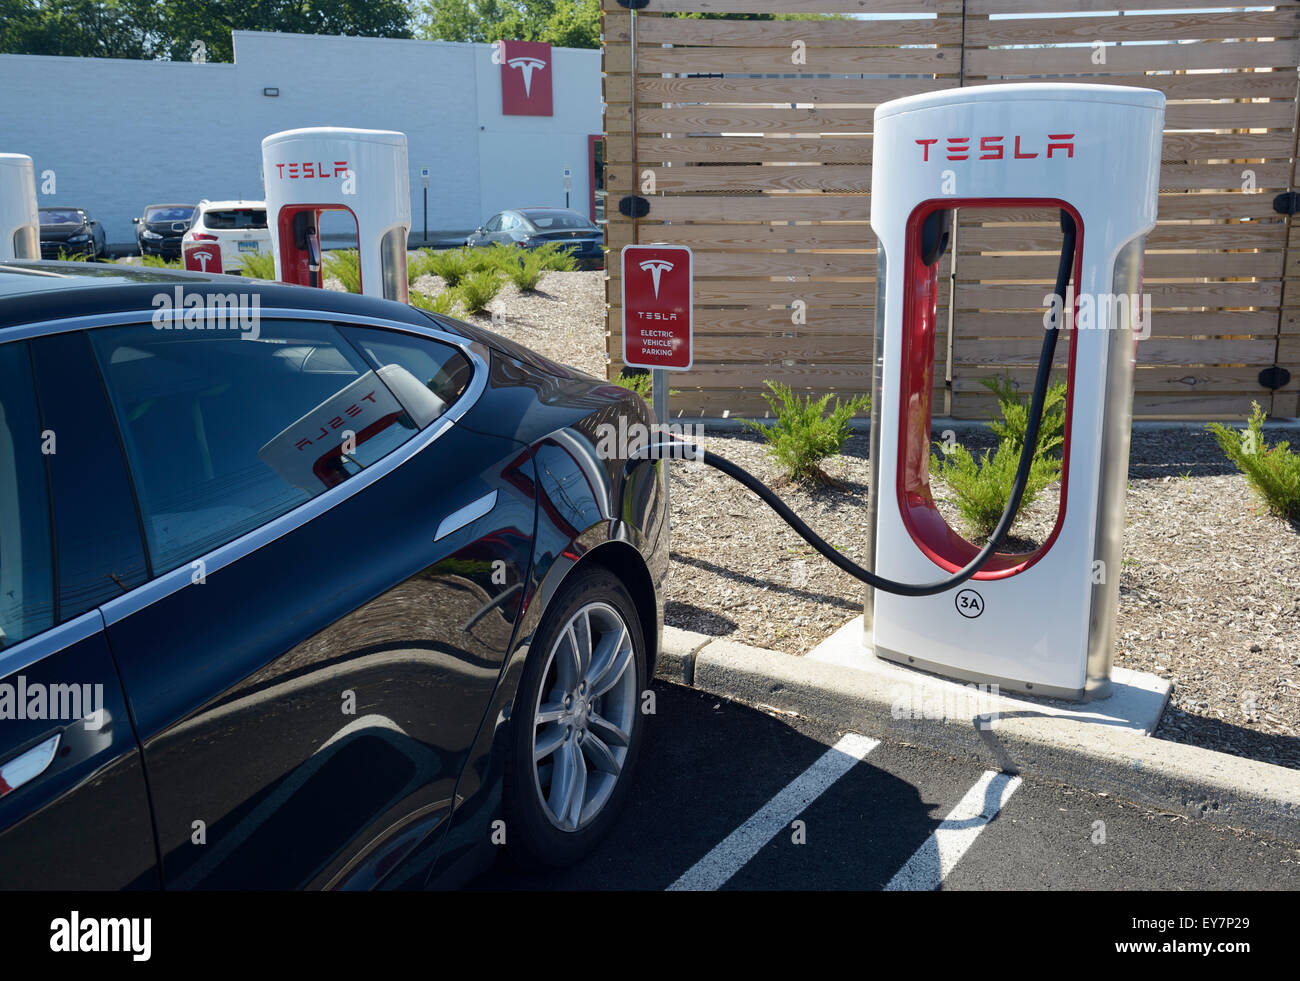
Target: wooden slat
point(1153, 379)
point(847, 321)
point(1155, 266)
point(1220, 146)
point(845, 179)
point(970, 351)
point(1229, 84)
point(879, 61)
point(1175, 295)
point(1026, 238)
point(1132, 58)
point(985, 7)
point(813, 33)
point(1283, 22)
point(818, 91)
point(762, 207)
point(755, 149)
point(1163, 324)
point(735, 237)
point(803, 6)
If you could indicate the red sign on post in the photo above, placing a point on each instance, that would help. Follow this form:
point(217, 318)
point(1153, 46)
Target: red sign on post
point(525, 78)
point(657, 299)
point(203, 256)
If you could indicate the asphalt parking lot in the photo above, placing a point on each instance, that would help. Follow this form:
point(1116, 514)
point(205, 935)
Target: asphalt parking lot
point(720, 788)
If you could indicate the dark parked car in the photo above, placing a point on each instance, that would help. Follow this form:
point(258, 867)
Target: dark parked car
point(160, 229)
point(347, 580)
point(531, 227)
point(72, 232)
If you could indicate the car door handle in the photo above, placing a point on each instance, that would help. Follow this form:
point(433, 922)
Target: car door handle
point(462, 516)
point(26, 767)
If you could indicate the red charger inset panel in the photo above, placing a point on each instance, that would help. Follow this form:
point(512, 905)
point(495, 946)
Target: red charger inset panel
point(926, 526)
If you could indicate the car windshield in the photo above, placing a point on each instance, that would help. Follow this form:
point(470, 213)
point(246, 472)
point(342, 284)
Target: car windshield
point(235, 218)
point(180, 213)
point(550, 220)
point(61, 216)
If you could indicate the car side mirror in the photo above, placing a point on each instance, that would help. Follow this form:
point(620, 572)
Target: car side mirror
point(478, 231)
point(135, 221)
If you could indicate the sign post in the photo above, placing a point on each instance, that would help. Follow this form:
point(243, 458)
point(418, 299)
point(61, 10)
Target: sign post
point(568, 185)
point(658, 323)
point(424, 183)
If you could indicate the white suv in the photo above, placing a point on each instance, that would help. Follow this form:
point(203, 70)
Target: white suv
point(238, 227)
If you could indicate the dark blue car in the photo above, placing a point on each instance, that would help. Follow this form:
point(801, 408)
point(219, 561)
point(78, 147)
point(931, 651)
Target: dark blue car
point(301, 589)
point(532, 227)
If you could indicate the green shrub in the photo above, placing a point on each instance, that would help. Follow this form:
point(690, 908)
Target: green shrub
point(158, 262)
point(527, 270)
point(418, 265)
point(442, 303)
point(1273, 471)
point(450, 266)
point(1014, 424)
point(498, 255)
point(982, 489)
point(478, 289)
point(556, 257)
point(345, 266)
point(259, 265)
point(643, 385)
point(483, 259)
point(803, 434)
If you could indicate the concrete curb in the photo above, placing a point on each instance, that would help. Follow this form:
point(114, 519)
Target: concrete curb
point(1198, 783)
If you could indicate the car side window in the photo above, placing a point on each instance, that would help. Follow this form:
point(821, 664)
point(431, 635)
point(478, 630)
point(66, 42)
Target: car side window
point(441, 369)
point(509, 223)
point(493, 225)
point(26, 552)
point(226, 431)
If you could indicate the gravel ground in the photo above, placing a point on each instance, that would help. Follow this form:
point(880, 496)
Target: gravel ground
point(1209, 589)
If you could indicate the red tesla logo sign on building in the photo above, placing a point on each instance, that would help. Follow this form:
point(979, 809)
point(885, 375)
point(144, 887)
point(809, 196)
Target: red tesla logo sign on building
point(657, 295)
point(525, 78)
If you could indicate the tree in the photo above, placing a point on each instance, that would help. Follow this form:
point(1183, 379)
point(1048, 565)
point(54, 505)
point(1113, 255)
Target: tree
point(564, 23)
point(169, 28)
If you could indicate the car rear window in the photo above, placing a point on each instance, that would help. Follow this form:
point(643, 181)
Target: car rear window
point(557, 219)
point(235, 218)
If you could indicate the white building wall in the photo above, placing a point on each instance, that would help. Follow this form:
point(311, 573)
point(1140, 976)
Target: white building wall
point(121, 134)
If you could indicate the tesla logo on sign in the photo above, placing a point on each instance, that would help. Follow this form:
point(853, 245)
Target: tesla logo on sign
point(526, 78)
point(995, 148)
point(657, 298)
point(204, 258)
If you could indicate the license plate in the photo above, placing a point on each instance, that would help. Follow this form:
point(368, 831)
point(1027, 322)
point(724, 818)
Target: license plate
point(249, 247)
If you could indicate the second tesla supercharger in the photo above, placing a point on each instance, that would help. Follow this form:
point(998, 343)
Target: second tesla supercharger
point(20, 223)
point(1040, 622)
point(362, 172)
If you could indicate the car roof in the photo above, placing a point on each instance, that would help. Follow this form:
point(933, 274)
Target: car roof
point(148, 206)
point(34, 291)
point(59, 207)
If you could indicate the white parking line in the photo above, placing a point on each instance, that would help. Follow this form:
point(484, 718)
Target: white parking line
point(730, 854)
point(931, 863)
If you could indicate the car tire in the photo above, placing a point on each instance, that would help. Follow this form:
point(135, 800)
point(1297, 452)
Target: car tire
point(550, 824)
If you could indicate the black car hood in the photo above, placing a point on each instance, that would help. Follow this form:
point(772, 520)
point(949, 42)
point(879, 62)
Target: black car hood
point(61, 232)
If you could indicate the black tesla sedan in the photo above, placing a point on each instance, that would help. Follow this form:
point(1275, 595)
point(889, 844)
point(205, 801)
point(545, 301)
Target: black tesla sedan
point(531, 227)
point(160, 229)
point(70, 232)
point(302, 589)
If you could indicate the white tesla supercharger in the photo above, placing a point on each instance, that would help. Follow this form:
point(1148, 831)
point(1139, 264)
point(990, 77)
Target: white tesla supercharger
point(362, 172)
point(20, 223)
point(1040, 622)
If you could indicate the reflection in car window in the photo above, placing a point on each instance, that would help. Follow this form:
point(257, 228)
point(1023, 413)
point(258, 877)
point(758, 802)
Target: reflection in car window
point(440, 368)
point(26, 562)
point(169, 214)
point(225, 433)
point(62, 216)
